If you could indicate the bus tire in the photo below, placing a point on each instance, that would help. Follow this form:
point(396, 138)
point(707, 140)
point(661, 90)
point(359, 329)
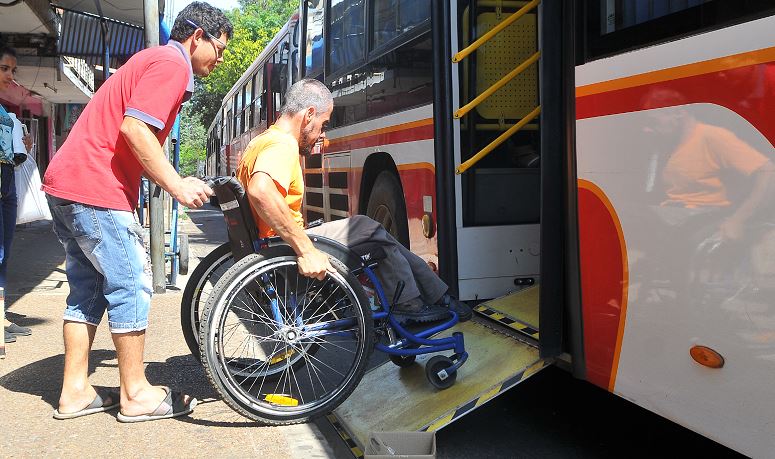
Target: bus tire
point(387, 206)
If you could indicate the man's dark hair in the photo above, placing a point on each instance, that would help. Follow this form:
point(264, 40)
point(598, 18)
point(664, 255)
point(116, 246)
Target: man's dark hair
point(6, 50)
point(209, 18)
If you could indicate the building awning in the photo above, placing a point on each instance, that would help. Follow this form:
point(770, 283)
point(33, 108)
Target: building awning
point(126, 11)
point(81, 37)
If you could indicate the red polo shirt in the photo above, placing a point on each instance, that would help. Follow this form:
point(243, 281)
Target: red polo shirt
point(95, 165)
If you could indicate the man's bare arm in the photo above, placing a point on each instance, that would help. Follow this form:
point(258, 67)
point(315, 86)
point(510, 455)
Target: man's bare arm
point(189, 191)
point(272, 208)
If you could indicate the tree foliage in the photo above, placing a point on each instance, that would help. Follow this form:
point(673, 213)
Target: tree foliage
point(255, 24)
point(193, 140)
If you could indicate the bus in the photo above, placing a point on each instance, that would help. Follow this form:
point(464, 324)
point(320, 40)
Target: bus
point(595, 176)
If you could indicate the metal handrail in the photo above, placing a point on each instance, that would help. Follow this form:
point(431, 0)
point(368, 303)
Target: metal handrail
point(461, 112)
point(463, 53)
point(495, 143)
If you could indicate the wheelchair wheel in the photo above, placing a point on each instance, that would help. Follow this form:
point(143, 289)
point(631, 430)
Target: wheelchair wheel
point(281, 348)
point(198, 289)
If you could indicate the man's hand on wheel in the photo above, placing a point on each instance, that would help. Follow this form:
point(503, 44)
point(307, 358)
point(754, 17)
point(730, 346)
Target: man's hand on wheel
point(315, 264)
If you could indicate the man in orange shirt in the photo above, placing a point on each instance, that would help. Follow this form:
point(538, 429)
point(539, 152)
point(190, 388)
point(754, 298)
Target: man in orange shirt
point(270, 170)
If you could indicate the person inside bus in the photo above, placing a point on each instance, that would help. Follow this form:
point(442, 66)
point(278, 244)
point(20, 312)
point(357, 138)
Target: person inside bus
point(12, 153)
point(93, 184)
point(270, 170)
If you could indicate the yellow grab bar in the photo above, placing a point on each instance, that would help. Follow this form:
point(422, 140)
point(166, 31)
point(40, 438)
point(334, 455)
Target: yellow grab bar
point(461, 112)
point(463, 53)
point(494, 144)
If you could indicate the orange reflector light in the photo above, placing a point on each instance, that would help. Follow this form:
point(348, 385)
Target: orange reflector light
point(279, 399)
point(706, 356)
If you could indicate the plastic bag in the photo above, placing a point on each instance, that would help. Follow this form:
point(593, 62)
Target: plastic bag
point(32, 200)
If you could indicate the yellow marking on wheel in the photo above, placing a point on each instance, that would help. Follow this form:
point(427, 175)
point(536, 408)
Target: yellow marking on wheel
point(282, 357)
point(279, 399)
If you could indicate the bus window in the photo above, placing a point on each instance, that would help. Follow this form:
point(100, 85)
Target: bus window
point(346, 34)
point(615, 26)
point(258, 94)
point(231, 126)
point(278, 75)
point(401, 79)
point(262, 100)
point(313, 62)
point(249, 103)
point(349, 92)
point(395, 17)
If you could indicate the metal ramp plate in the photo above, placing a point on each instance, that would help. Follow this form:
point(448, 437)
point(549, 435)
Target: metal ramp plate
point(518, 310)
point(390, 398)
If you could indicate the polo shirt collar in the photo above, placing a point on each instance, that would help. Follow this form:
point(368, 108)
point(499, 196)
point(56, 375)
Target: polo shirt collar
point(179, 47)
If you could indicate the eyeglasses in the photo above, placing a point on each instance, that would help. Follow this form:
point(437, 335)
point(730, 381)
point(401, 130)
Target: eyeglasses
point(211, 36)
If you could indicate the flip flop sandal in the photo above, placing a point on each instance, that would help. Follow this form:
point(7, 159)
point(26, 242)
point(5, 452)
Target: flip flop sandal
point(98, 405)
point(172, 406)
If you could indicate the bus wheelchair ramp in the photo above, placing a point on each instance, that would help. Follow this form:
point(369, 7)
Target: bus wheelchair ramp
point(390, 398)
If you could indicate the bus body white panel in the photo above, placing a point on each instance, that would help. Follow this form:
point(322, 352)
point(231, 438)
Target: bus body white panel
point(692, 280)
point(490, 258)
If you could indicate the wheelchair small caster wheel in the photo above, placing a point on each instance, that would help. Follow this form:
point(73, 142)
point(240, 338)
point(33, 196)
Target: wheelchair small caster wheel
point(435, 371)
point(403, 361)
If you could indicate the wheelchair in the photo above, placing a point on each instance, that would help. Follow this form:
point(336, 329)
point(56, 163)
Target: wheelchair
point(281, 348)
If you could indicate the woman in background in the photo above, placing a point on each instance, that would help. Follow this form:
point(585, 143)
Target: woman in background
point(11, 154)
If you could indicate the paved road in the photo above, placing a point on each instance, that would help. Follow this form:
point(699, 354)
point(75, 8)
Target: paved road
point(30, 377)
point(552, 415)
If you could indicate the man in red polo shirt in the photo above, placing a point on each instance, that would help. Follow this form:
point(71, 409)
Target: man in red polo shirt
point(93, 184)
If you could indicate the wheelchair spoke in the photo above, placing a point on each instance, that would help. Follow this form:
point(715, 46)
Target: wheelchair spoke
point(325, 343)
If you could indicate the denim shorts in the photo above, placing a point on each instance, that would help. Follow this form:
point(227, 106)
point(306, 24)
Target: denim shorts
point(106, 265)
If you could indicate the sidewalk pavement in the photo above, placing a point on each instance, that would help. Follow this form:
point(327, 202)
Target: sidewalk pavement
point(31, 373)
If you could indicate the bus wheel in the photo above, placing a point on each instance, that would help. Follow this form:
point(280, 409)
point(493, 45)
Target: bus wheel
point(387, 206)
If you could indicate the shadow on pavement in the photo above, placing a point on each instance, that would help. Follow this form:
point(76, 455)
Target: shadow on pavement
point(36, 254)
point(44, 377)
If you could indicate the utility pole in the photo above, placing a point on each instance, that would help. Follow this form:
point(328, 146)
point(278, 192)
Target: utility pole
point(156, 212)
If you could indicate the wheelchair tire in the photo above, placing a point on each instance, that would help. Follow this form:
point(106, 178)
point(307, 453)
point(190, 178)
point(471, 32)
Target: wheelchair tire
point(326, 326)
point(197, 291)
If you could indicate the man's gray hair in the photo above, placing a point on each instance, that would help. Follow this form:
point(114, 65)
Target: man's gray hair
point(307, 93)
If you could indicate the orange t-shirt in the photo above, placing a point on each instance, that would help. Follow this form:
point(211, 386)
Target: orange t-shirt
point(276, 154)
point(698, 172)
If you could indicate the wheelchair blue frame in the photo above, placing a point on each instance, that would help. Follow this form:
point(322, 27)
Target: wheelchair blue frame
point(410, 344)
